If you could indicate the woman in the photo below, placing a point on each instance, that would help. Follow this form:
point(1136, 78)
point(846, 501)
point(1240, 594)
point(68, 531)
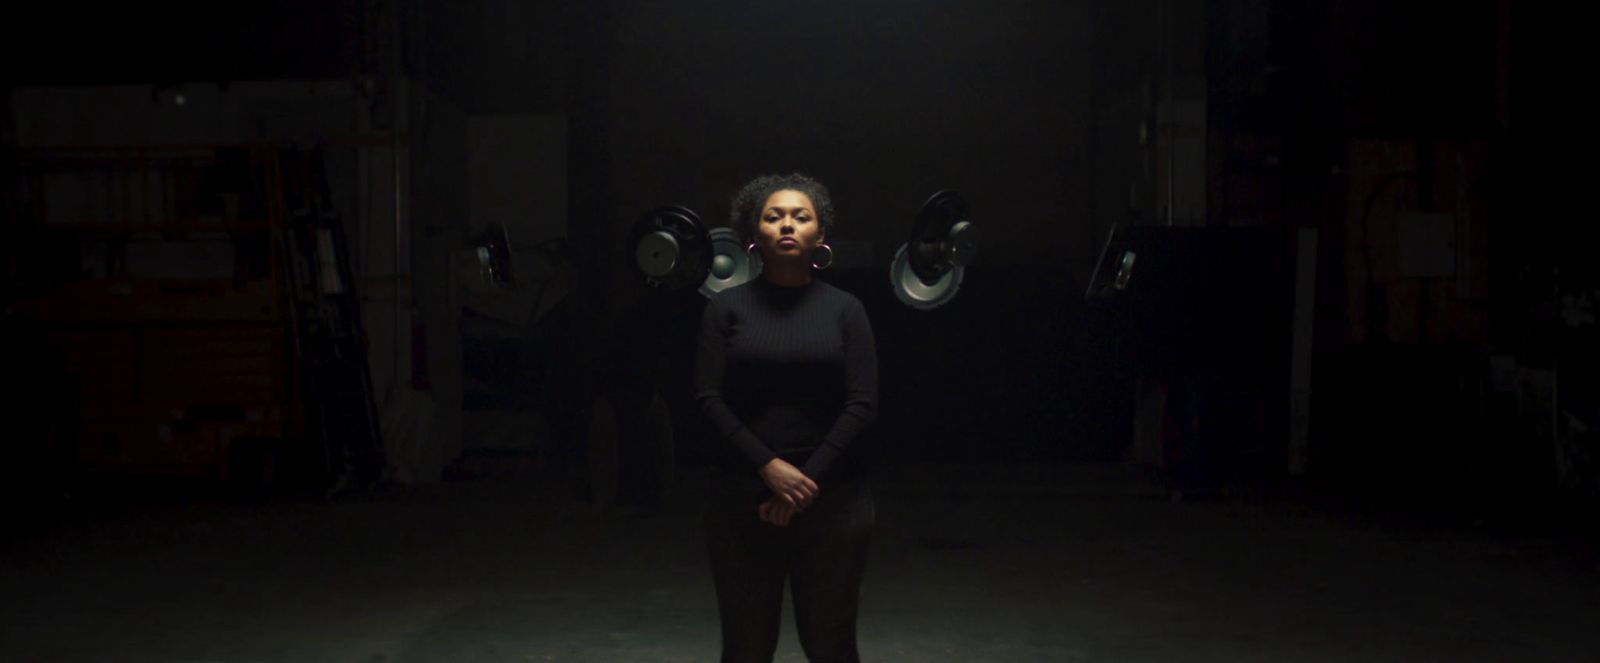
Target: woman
point(787, 373)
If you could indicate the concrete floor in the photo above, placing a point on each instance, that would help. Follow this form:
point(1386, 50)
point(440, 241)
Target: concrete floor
point(991, 564)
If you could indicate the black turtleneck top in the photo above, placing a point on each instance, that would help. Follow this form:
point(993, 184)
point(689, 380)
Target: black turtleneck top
point(787, 372)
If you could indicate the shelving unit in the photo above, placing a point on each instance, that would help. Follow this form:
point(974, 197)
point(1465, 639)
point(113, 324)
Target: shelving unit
point(176, 323)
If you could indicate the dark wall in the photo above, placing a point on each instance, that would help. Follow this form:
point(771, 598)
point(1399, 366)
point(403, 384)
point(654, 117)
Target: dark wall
point(888, 102)
point(885, 101)
point(96, 43)
point(1032, 109)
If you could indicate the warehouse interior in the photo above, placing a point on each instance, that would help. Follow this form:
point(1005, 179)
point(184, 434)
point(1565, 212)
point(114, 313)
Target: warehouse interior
point(326, 336)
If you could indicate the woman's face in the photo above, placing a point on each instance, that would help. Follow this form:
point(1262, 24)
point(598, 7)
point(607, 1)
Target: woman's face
point(788, 226)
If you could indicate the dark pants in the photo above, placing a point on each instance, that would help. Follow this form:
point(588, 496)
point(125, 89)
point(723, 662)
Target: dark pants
point(822, 553)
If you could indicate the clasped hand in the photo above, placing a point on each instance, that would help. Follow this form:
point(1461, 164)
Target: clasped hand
point(792, 492)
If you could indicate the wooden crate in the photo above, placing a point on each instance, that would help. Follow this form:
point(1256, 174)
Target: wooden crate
point(102, 363)
point(233, 365)
point(168, 400)
point(155, 441)
point(149, 443)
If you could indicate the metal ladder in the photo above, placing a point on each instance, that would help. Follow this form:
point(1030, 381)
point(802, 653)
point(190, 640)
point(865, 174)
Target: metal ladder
point(329, 331)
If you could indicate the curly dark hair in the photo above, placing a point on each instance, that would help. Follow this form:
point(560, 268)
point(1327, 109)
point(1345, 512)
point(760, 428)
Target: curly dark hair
point(753, 195)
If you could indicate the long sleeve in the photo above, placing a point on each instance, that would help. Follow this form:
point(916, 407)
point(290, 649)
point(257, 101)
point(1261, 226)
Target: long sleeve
point(710, 362)
point(861, 393)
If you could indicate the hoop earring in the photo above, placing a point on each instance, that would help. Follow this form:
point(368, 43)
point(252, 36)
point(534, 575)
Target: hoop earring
point(825, 265)
point(752, 255)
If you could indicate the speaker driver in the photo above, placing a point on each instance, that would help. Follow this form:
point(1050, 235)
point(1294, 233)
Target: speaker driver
point(928, 268)
point(731, 265)
point(916, 293)
point(671, 248)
